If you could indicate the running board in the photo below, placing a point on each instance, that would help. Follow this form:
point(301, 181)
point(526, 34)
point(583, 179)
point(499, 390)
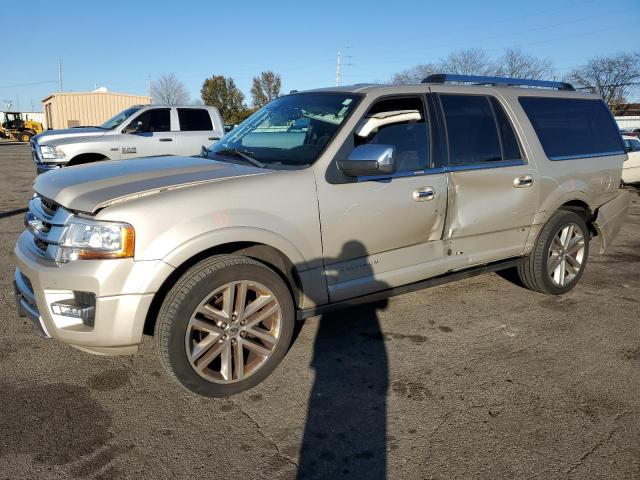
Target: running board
point(412, 287)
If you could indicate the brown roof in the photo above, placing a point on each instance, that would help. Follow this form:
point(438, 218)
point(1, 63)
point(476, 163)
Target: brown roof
point(628, 110)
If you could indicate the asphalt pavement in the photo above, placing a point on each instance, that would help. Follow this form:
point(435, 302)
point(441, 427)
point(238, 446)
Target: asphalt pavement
point(475, 379)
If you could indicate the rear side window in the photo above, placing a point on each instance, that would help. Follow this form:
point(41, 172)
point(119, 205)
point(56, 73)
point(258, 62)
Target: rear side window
point(573, 127)
point(478, 130)
point(194, 120)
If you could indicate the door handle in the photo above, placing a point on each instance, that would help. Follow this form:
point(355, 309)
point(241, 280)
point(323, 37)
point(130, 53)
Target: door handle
point(214, 138)
point(424, 194)
point(165, 139)
point(523, 181)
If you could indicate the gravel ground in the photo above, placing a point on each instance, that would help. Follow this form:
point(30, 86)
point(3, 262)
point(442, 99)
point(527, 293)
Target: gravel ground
point(475, 379)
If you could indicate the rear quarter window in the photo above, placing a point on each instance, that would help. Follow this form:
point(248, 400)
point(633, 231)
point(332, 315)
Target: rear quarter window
point(571, 128)
point(194, 120)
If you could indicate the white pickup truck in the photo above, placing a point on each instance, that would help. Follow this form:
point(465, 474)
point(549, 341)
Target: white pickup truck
point(138, 131)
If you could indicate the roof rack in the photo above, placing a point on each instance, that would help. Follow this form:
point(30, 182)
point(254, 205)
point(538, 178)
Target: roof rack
point(510, 82)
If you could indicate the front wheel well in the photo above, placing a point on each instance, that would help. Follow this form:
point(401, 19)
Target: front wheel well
point(270, 256)
point(86, 158)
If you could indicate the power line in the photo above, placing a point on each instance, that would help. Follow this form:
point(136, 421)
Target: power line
point(28, 84)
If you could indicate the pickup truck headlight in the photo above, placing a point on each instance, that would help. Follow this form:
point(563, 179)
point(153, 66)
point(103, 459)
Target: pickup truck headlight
point(86, 239)
point(50, 152)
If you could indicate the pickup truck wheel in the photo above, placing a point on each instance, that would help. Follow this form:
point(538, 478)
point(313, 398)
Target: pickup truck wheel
point(559, 256)
point(225, 325)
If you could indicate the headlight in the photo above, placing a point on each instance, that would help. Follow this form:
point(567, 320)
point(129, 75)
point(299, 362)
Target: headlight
point(50, 152)
point(91, 239)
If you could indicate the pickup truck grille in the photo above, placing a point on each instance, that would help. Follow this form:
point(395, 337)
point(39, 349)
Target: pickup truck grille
point(46, 221)
point(35, 152)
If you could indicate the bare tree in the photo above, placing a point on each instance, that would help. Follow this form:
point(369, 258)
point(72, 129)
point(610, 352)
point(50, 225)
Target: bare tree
point(265, 88)
point(612, 77)
point(472, 61)
point(515, 63)
point(169, 90)
point(415, 74)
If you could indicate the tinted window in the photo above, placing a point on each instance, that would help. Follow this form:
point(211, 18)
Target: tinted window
point(194, 119)
point(156, 120)
point(632, 145)
point(572, 127)
point(510, 146)
point(471, 129)
point(410, 138)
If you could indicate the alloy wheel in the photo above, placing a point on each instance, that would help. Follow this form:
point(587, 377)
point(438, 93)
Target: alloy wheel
point(566, 255)
point(233, 332)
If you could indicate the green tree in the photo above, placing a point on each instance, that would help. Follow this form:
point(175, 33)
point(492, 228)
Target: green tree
point(265, 88)
point(221, 92)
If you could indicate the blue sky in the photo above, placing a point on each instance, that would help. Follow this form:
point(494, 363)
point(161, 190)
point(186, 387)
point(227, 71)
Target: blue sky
point(123, 44)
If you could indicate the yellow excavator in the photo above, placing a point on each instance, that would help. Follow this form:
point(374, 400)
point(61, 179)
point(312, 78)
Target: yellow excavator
point(14, 127)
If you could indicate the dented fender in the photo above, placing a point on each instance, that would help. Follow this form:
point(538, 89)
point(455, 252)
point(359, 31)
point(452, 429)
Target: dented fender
point(609, 218)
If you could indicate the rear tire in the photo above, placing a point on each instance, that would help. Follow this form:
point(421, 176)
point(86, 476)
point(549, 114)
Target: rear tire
point(558, 259)
point(225, 325)
point(24, 137)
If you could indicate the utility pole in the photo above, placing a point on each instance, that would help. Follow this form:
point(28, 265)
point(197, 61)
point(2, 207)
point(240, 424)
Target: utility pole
point(340, 64)
point(59, 75)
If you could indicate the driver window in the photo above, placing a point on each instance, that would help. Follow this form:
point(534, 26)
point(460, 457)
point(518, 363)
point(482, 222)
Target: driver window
point(156, 120)
point(410, 138)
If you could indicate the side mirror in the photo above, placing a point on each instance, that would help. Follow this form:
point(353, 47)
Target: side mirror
point(133, 127)
point(368, 160)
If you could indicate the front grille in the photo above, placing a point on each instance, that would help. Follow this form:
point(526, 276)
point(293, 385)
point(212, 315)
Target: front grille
point(27, 282)
point(46, 221)
point(49, 206)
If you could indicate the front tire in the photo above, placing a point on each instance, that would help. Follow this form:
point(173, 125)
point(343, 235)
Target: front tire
point(558, 259)
point(25, 137)
point(225, 325)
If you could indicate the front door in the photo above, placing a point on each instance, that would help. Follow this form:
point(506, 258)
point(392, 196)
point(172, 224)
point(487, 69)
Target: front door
point(379, 233)
point(153, 135)
point(493, 189)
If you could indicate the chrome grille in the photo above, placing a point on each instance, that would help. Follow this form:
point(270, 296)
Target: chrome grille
point(46, 222)
point(35, 152)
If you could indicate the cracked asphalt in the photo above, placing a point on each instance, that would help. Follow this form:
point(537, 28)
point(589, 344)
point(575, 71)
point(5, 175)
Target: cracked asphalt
point(475, 379)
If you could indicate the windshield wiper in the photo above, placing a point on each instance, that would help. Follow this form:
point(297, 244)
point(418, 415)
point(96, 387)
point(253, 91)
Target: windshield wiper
point(245, 155)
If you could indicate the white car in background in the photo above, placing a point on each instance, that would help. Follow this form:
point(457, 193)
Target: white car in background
point(631, 166)
point(139, 131)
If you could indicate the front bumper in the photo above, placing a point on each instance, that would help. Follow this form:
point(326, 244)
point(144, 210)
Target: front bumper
point(123, 288)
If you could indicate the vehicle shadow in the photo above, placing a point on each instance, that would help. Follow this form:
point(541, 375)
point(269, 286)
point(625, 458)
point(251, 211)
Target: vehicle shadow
point(345, 432)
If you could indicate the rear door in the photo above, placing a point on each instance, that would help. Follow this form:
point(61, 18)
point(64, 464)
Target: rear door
point(493, 189)
point(153, 137)
point(196, 129)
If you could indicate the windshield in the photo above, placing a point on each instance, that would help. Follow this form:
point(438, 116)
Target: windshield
point(290, 130)
point(119, 118)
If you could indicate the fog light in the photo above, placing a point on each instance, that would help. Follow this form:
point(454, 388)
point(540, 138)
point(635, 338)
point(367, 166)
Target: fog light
point(82, 306)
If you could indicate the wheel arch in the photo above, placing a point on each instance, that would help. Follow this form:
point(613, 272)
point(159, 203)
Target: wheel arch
point(270, 256)
point(83, 158)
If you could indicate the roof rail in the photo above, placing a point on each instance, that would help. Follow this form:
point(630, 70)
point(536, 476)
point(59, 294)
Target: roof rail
point(482, 80)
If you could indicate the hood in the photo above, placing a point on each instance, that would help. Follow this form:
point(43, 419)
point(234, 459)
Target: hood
point(53, 135)
point(88, 188)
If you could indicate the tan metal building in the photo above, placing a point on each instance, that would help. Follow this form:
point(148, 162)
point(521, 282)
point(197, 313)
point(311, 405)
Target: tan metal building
point(75, 109)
